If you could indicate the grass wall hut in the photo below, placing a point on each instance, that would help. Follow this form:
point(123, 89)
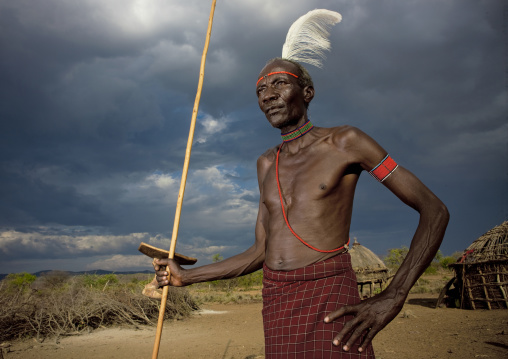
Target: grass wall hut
point(481, 274)
point(370, 270)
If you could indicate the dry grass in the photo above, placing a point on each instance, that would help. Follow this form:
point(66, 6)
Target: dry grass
point(246, 289)
point(204, 294)
point(432, 283)
point(68, 305)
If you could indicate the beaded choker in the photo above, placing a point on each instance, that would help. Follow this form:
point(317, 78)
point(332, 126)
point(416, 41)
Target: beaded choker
point(299, 132)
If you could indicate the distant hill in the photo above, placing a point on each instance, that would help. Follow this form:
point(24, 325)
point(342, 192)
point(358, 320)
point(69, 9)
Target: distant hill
point(97, 272)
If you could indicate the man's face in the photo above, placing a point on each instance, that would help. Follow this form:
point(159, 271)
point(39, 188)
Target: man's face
point(280, 97)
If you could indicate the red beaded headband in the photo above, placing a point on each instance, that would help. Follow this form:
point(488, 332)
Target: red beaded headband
point(277, 72)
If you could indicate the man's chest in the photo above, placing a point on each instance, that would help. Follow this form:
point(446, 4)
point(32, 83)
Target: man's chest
point(304, 179)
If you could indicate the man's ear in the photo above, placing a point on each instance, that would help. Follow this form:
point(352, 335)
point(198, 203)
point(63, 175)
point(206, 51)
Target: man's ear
point(308, 93)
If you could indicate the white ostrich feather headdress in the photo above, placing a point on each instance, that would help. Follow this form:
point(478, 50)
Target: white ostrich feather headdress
point(307, 39)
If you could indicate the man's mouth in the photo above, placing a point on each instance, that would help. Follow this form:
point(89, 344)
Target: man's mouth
point(272, 110)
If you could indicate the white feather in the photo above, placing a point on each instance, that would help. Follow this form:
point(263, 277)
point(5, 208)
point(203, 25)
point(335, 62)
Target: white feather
point(307, 39)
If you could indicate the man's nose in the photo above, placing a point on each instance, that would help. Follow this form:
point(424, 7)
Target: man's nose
point(270, 94)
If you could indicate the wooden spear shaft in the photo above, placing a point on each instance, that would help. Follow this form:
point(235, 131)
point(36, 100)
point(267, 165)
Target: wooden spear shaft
point(176, 224)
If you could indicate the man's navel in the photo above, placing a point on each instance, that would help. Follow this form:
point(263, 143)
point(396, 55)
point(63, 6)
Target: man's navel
point(280, 263)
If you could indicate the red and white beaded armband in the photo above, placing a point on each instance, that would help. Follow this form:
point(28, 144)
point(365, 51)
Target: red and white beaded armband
point(384, 169)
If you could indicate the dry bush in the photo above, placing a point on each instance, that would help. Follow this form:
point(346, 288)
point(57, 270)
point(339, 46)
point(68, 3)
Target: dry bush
point(74, 306)
point(432, 283)
point(223, 297)
point(247, 282)
point(244, 289)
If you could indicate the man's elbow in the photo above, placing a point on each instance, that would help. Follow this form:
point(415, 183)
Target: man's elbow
point(440, 215)
point(443, 210)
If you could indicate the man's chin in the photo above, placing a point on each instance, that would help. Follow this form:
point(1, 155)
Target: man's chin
point(276, 121)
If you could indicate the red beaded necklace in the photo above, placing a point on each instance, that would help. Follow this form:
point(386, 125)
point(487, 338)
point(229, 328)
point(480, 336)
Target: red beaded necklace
point(284, 211)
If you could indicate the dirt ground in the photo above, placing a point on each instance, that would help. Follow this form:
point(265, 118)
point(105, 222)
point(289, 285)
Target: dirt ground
point(235, 331)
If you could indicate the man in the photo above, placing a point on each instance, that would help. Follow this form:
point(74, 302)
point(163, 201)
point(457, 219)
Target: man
point(311, 306)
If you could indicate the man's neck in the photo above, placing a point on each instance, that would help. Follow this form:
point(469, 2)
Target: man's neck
point(297, 137)
point(294, 126)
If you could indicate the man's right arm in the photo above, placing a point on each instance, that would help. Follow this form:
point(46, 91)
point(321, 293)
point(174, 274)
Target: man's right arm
point(244, 263)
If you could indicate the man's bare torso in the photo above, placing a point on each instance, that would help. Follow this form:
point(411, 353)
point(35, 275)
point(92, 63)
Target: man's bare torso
point(317, 180)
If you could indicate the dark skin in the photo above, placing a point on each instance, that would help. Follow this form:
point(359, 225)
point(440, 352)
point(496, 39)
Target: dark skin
point(318, 175)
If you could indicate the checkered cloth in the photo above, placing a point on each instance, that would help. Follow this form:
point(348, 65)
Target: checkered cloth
point(295, 304)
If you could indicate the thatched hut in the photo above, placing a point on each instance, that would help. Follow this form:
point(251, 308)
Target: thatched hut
point(481, 274)
point(370, 270)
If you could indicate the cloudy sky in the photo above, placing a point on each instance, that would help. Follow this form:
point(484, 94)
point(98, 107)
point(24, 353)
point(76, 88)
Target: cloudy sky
point(96, 100)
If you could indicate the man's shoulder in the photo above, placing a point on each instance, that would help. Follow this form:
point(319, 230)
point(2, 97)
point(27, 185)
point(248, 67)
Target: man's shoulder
point(267, 158)
point(343, 136)
point(269, 154)
point(360, 147)
point(344, 130)
point(265, 162)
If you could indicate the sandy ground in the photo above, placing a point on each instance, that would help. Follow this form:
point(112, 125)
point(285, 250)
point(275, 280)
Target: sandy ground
point(235, 331)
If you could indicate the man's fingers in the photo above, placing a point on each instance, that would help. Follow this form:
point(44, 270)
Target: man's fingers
point(333, 315)
point(338, 313)
point(355, 336)
point(371, 333)
point(158, 266)
point(348, 327)
point(162, 280)
point(345, 332)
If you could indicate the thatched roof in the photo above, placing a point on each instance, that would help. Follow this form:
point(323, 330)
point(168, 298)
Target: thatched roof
point(492, 246)
point(366, 264)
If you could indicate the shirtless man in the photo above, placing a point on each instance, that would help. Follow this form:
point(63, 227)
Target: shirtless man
point(317, 174)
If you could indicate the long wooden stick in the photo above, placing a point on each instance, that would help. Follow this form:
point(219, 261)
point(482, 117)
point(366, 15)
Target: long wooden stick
point(174, 236)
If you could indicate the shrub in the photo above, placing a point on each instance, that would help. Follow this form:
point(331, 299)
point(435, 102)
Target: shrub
point(217, 257)
point(430, 270)
point(251, 280)
point(81, 304)
point(51, 280)
point(100, 281)
point(19, 281)
point(395, 257)
point(245, 282)
point(445, 261)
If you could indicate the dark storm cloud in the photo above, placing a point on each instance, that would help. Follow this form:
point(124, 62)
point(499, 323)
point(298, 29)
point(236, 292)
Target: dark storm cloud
point(97, 98)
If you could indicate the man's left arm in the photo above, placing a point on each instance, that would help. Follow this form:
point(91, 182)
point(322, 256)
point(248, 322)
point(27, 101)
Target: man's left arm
point(373, 314)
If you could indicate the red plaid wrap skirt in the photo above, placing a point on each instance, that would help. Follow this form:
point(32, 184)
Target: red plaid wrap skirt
point(295, 304)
